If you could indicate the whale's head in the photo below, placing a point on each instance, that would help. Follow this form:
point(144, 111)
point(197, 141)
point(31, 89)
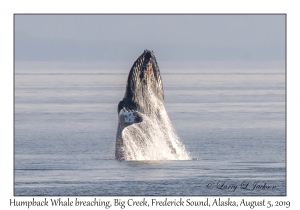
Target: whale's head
point(144, 83)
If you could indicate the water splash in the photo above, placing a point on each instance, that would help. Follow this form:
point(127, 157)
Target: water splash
point(154, 138)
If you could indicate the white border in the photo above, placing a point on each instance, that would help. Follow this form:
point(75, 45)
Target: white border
point(8, 8)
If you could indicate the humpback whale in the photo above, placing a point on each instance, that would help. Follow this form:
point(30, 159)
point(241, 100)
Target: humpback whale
point(144, 130)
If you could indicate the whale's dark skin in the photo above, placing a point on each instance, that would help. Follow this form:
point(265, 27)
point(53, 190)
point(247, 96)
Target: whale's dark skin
point(143, 84)
point(144, 73)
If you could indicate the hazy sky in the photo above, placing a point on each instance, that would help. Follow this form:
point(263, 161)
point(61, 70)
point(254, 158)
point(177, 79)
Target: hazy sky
point(180, 38)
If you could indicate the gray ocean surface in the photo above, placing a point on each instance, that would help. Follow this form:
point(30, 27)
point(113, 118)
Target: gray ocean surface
point(232, 123)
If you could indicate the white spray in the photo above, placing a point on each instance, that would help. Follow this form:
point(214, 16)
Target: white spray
point(154, 138)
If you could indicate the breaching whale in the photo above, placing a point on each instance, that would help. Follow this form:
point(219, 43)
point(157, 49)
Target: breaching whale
point(144, 130)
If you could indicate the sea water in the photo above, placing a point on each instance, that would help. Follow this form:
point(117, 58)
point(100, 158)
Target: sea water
point(231, 122)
